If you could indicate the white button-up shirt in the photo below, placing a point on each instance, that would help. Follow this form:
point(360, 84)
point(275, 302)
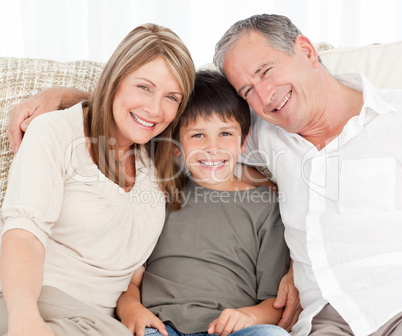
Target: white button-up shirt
point(342, 210)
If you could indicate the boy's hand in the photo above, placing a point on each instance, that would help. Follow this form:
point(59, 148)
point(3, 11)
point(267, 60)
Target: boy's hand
point(231, 320)
point(138, 317)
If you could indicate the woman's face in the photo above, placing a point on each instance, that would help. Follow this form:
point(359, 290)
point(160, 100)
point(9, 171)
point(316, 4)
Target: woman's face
point(146, 102)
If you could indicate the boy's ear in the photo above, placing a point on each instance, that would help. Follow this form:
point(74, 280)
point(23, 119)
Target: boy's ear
point(243, 146)
point(176, 150)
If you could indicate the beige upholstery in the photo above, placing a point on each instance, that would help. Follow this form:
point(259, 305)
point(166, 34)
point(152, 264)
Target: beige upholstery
point(380, 63)
point(22, 77)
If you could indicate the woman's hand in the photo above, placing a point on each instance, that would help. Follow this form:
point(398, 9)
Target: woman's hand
point(137, 318)
point(288, 298)
point(52, 99)
point(28, 323)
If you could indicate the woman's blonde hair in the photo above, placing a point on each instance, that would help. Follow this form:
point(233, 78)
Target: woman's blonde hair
point(141, 46)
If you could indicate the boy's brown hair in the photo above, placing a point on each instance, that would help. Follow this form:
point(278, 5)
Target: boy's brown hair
point(214, 95)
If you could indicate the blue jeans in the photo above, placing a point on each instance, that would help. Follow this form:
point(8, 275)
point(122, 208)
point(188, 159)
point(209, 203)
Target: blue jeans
point(257, 330)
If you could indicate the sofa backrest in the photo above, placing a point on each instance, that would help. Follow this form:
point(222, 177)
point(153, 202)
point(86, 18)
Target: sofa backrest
point(380, 63)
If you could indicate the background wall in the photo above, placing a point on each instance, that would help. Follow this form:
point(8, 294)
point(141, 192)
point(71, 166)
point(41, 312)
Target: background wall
point(91, 29)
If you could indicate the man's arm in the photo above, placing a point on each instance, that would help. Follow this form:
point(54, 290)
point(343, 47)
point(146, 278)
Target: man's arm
point(54, 98)
point(252, 176)
point(288, 298)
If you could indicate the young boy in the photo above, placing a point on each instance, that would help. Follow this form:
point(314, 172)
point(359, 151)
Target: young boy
point(219, 260)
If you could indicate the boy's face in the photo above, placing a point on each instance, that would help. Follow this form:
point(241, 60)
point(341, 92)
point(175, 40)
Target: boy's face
point(211, 148)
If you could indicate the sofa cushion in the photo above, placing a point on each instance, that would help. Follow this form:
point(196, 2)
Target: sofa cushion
point(380, 63)
point(22, 77)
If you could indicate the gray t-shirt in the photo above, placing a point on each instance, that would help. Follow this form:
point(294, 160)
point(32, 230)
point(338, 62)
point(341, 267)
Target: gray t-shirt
point(223, 249)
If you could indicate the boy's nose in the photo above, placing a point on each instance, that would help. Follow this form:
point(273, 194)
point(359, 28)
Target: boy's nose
point(212, 146)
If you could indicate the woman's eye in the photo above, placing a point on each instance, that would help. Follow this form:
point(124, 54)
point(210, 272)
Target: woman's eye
point(173, 98)
point(143, 87)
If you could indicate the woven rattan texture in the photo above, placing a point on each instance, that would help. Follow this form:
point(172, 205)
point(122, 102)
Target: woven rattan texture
point(22, 77)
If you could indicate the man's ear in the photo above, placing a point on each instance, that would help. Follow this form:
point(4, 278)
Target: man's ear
point(243, 146)
point(303, 44)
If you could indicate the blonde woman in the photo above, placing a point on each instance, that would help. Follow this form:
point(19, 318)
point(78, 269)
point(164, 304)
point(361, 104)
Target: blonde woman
point(87, 193)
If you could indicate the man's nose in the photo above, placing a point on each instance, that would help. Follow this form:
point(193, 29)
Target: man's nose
point(265, 92)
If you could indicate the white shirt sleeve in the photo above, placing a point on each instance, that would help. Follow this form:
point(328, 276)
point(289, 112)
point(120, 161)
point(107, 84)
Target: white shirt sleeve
point(256, 153)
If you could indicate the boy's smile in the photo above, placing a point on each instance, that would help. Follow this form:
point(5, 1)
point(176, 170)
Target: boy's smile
point(211, 147)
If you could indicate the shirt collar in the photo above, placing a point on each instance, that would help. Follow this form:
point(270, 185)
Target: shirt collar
point(372, 101)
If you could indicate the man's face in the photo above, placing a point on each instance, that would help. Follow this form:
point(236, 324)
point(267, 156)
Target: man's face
point(281, 88)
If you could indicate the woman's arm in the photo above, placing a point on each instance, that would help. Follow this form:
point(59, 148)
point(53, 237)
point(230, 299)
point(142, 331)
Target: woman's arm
point(54, 98)
point(21, 275)
point(131, 311)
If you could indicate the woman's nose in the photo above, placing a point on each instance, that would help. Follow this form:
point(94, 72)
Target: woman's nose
point(153, 106)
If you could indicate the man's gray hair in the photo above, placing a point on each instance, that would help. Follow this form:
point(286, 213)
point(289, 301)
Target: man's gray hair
point(279, 31)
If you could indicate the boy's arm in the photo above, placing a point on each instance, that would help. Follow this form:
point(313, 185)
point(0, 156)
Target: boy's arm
point(132, 313)
point(232, 320)
point(54, 98)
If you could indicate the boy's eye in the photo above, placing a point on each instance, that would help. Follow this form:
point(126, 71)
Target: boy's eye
point(198, 135)
point(226, 134)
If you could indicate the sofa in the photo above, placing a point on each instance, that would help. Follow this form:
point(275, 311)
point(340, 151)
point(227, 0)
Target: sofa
point(22, 77)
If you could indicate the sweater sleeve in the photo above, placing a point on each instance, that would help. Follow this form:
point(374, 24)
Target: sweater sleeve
point(36, 179)
point(273, 259)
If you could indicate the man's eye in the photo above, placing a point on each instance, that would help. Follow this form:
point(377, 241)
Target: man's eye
point(246, 93)
point(266, 71)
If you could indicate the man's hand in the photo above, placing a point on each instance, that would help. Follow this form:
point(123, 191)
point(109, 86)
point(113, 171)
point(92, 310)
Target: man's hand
point(288, 298)
point(138, 317)
point(48, 100)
